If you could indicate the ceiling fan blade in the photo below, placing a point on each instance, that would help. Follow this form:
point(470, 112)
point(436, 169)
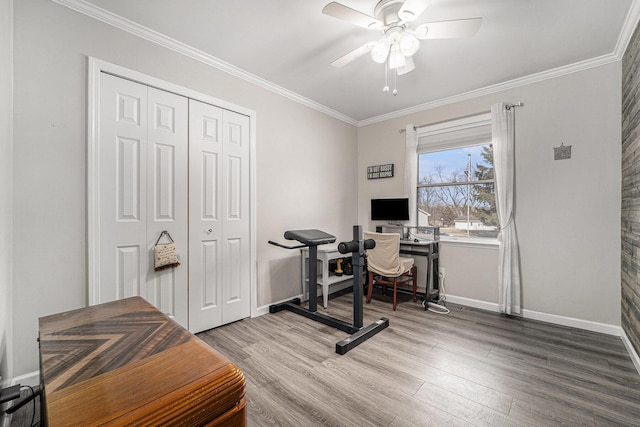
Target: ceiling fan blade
point(459, 28)
point(353, 55)
point(412, 9)
point(353, 16)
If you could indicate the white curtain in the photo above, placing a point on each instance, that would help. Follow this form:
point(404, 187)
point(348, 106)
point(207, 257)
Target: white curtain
point(503, 136)
point(411, 172)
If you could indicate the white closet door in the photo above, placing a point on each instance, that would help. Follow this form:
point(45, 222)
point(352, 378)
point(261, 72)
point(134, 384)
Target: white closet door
point(205, 222)
point(219, 255)
point(122, 192)
point(236, 257)
point(170, 163)
point(167, 190)
point(143, 191)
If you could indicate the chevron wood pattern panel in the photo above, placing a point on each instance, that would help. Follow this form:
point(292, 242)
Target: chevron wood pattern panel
point(126, 363)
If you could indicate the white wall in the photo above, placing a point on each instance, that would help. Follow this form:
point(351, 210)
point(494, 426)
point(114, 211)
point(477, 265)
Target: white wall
point(6, 172)
point(477, 280)
point(306, 166)
point(567, 212)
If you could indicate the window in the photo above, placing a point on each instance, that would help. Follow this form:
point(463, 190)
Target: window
point(456, 188)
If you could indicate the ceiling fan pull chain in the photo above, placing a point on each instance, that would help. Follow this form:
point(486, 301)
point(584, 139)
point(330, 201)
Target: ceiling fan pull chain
point(395, 83)
point(385, 89)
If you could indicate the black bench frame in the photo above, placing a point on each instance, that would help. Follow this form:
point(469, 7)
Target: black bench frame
point(312, 239)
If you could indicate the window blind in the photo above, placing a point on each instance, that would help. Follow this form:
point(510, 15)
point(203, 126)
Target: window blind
point(455, 133)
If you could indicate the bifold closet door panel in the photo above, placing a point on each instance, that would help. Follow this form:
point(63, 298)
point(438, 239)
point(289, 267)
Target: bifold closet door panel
point(236, 229)
point(122, 188)
point(143, 190)
point(167, 199)
point(219, 216)
point(205, 216)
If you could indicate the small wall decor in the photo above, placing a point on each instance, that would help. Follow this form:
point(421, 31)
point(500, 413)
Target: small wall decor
point(562, 152)
point(165, 253)
point(380, 171)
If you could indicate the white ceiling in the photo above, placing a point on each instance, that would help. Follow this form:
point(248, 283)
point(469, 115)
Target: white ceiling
point(291, 44)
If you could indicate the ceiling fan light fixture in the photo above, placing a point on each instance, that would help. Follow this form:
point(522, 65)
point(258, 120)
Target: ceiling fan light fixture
point(396, 58)
point(407, 67)
point(380, 51)
point(421, 31)
point(400, 40)
point(409, 44)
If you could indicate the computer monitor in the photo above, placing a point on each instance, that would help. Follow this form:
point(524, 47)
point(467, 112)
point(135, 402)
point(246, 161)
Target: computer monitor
point(393, 210)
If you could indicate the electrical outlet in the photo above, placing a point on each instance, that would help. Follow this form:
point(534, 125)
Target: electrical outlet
point(441, 272)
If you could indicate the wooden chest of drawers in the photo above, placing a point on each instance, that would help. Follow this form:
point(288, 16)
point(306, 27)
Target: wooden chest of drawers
point(125, 363)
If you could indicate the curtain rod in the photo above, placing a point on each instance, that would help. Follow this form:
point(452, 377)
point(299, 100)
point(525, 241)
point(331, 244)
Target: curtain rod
point(508, 107)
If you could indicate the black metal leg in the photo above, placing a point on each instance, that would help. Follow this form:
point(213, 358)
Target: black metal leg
point(436, 270)
point(356, 260)
point(361, 336)
point(313, 278)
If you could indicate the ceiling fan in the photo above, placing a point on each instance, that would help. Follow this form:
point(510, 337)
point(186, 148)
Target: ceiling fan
point(400, 40)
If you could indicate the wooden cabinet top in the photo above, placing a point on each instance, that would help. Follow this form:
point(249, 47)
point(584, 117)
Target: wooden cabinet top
point(124, 362)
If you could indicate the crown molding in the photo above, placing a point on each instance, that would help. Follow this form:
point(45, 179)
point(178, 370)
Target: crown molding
point(629, 26)
point(143, 32)
point(117, 21)
point(499, 87)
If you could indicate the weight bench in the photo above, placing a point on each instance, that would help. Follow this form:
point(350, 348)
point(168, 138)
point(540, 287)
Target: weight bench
point(312, 239)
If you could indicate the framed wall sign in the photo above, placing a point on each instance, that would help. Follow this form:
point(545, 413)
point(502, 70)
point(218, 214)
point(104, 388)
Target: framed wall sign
point(380, 171)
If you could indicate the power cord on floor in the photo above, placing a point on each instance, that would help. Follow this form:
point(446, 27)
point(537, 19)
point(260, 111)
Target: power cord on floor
point(438, 307)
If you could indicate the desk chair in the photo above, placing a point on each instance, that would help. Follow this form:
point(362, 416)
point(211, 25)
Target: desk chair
point(386, 267)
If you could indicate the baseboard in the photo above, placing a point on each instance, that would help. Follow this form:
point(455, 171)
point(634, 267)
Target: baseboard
point(587, 325)
point(32, 379)
point(261, 310)
point(632, 351)
point(543, 317)
point(265, 308)
point(474, 303)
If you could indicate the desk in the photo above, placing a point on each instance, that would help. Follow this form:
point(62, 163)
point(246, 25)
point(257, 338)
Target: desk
point(126, 363)
point(326, 253)
point(431, 250)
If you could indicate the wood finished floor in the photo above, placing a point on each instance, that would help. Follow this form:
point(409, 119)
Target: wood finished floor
point(467, 368)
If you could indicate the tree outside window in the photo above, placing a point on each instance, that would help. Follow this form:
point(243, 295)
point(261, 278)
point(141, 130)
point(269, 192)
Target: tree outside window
point(456, 191)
